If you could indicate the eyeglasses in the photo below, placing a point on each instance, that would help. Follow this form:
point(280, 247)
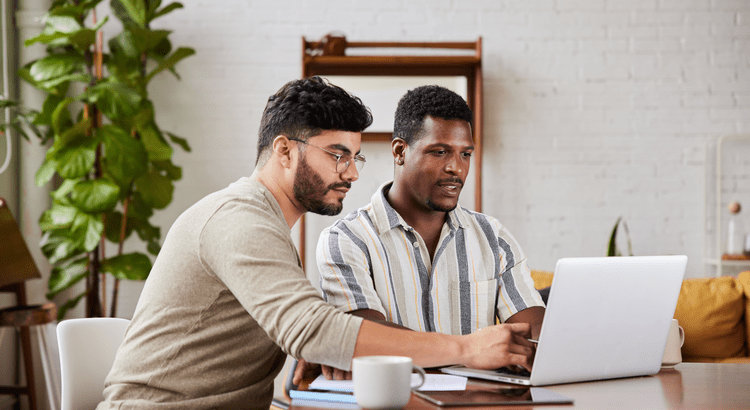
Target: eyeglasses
point(342, 160)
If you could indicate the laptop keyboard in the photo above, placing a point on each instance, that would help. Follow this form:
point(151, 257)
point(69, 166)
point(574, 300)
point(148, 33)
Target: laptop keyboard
point(520, 371)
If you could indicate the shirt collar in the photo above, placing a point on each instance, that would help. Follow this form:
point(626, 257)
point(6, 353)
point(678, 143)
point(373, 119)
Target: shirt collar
point(386, 218)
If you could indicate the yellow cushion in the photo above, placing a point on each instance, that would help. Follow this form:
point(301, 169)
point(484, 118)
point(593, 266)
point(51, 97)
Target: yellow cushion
point(541, 278)
point(711, 312)
point(744, 280)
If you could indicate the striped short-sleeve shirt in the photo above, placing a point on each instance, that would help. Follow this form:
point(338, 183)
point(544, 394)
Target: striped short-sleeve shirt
point(372, 259)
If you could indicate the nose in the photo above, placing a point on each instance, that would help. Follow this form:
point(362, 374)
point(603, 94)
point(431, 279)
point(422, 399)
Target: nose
point(351, 173)
point(453, 165)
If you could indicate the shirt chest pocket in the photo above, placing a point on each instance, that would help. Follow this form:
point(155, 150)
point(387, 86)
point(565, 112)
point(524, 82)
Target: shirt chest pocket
point(472, 305)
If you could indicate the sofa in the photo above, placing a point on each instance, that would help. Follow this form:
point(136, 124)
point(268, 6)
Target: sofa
point(714, 312)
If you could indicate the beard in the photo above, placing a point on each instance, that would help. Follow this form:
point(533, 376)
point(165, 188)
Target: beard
point(439, 208)
point(442, 208)
point(310, 191)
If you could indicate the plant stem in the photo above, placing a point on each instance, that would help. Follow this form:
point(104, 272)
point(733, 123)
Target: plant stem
point(123, 227)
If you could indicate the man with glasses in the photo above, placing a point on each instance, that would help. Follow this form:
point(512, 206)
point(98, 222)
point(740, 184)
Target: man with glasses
point(413, 258)
point(227, 299)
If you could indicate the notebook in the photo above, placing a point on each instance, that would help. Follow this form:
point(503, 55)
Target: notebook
point(606, 318)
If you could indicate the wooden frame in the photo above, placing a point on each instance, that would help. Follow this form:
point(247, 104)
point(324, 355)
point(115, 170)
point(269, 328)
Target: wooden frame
point(328, 57)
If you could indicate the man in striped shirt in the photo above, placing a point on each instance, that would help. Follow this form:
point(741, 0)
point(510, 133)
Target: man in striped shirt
point(412, 257)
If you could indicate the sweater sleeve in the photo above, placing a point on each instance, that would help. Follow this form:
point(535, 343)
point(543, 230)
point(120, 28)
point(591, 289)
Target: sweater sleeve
point(248, 247)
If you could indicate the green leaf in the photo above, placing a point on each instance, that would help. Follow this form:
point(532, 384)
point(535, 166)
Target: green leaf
point(58, 246)
point(136, 10)
point(45, 172)
point(61, 193)
point(70, 304)
point(47, 38)
point(137, 40)
point(120, 65)
point(73, 134)
point(170, 61)
point(157, 148)
point(89, 228)
point(57, 86)
point(153, 248)
point(95, 196)
point(161, 50)
point(166, 10)
point(113, 226)
point(130, 266)
point(50, 103)
point(60, 117)
point(62, 82)
point(83, 39)
point(76, 160)
point(89, 4)
point(146, 231)
point(124, 44)
point(63, 20)
point(182, 142)
point(155, 189)
point(125, 156)
point(139, 208)
point(62, 23)
point(59, 216)
point(145, 115)
point(153, 5)
point(612, 247)
point(115, 100)
point(168, 169)
point(56, 65)
point(67, 275)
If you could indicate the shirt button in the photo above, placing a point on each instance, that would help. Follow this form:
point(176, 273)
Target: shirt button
point(416, 244)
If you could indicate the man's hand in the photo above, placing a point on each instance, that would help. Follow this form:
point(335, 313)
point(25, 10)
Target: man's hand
point(311, 370)
point(500, 345)
point(332, 373)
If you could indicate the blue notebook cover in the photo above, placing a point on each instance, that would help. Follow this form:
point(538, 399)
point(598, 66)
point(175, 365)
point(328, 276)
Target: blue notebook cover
point(320, 395)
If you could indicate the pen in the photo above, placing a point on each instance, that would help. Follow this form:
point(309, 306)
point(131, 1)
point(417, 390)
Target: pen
point(533, 341)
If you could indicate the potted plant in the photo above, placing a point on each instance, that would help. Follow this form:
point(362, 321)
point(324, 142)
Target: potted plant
point(111, 162)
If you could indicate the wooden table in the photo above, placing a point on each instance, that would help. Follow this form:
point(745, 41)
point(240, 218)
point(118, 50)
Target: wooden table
point(687, 386)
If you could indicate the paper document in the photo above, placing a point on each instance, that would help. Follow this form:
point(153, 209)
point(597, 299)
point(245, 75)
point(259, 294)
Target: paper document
point(433, 382)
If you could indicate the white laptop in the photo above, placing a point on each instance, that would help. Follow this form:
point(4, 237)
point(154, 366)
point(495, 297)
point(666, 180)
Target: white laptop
point(606, 318)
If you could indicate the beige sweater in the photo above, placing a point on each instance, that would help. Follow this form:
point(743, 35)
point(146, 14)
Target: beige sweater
point(225, 302)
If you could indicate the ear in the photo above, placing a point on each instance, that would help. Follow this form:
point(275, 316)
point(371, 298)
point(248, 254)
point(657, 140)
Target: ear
point(282, 149)
point(398, 149)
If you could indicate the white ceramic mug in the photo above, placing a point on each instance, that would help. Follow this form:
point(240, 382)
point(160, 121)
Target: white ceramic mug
point(673, 350)
point(383, 382)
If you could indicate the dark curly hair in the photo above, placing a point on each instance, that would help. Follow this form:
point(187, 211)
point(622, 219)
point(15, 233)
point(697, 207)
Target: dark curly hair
point(432, 100)
point(303, 108)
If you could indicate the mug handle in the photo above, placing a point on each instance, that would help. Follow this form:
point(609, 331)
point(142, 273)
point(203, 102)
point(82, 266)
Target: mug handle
point(682, 335)
point(421, 374)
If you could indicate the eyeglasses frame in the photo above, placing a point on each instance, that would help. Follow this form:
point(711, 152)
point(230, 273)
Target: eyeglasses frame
point(359, 158)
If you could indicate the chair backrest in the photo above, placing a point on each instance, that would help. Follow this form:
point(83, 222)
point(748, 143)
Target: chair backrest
point(16, 263)
point(87, 351)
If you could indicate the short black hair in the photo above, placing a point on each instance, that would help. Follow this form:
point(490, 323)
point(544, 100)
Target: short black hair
point(432, 100)
point(303, 108)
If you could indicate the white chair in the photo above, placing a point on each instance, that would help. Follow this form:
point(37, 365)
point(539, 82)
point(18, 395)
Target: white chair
point(87, 351)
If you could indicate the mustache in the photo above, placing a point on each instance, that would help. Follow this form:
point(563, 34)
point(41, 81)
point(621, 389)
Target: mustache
point(454, 180)
point(347, 185)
